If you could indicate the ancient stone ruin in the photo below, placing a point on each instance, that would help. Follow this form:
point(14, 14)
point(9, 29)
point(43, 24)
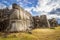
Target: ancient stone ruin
point(53, 22)
point(17, 19)
point(42, 21)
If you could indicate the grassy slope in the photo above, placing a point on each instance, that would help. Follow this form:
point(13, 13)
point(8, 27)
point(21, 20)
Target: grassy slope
point(37, 34)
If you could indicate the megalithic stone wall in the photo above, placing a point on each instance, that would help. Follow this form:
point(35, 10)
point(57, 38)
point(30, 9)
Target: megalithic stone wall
point(20, 20)
point(36, 21)
point(44, 21)
point(53, 22)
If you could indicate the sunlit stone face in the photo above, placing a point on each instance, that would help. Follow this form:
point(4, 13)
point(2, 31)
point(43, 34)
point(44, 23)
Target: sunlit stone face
point(20, 20)
point(15, 14)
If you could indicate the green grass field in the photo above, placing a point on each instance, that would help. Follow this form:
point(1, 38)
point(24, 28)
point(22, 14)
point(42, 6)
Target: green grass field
point(37, 34)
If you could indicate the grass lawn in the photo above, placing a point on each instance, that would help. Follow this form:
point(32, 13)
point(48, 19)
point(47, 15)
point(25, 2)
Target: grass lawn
point(37, 34)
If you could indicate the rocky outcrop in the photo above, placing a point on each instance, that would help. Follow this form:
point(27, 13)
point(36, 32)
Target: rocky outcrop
point(42, 21)
point(18, 19)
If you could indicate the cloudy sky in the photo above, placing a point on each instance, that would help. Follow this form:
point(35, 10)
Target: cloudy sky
point(51, 8)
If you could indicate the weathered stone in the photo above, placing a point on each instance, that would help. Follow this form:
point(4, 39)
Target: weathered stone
point(36, 21)
point(53, 22)
point(19, 19)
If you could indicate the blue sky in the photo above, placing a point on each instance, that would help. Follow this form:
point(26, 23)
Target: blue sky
point(35, 7)
point(26, 4)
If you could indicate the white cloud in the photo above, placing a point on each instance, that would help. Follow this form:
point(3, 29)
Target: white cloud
point(2, 6)
point(51, 16)
point(29, 9)
point(43, 7)
point(10, 7)
point(58, 16)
